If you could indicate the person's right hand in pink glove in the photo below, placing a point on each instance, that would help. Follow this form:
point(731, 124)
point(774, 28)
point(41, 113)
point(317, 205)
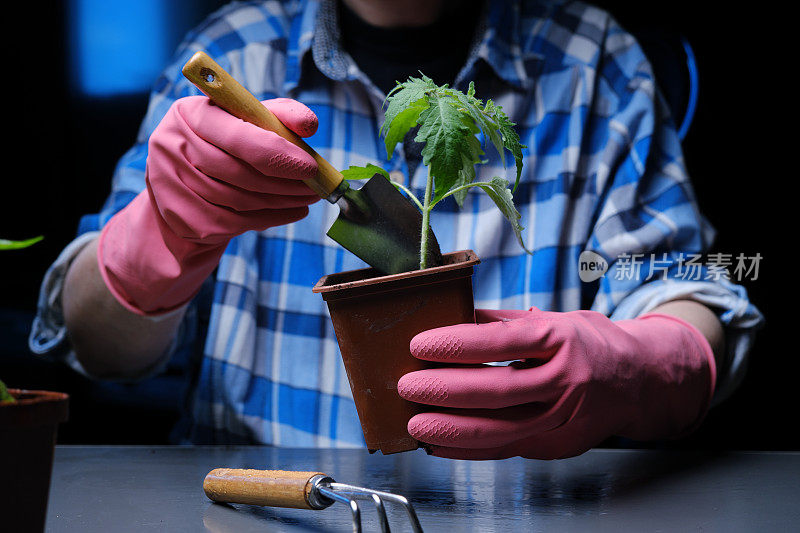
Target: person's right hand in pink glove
point(210, 176)
point(581, 379)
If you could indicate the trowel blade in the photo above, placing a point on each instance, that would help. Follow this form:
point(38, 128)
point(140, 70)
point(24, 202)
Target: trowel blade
point(383, 228)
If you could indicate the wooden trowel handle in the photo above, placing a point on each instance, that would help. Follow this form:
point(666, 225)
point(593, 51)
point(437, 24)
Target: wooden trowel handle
point(231, 96)
point(274, 488)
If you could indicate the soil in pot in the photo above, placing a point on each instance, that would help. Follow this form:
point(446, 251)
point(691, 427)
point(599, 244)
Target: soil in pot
point(27, 438)
point(375, 317)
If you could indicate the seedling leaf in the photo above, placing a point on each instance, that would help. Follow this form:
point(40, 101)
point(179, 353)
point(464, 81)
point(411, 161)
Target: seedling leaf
point(363, 173)
point(405, 102)
point(449, 121)
point(450, 143)
point(402, 123)
point(5, 244)
point(366, 172)
point(499, 192)
point(509, 135)
point(489, 128)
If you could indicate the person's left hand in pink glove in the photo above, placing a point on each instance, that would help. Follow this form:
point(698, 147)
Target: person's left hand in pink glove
point(577, 379)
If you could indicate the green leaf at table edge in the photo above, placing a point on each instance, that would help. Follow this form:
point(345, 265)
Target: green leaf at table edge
point(5, 396)
point(6, 244)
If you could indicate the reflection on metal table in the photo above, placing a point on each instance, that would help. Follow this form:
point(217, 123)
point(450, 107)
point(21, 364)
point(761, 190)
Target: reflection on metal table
point(161, 488)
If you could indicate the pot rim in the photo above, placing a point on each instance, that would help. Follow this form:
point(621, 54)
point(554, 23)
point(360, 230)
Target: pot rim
point(322, 286)
point(37, 396)
point(41, 408)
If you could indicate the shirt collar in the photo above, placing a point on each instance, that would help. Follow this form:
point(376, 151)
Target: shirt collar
point(500, 44)
point(316, 31)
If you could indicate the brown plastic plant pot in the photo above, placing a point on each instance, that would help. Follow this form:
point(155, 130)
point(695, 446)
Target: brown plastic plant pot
point(27, 439)
point(375, 319)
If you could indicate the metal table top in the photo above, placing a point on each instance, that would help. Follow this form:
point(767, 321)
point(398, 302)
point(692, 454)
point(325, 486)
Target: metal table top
point(160, 488)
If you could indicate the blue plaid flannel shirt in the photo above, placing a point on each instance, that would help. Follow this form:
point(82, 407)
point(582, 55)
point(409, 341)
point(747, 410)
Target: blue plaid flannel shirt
point(603, 172)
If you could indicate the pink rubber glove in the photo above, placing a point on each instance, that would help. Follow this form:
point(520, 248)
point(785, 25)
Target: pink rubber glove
point(210, 177)
point(583, 378)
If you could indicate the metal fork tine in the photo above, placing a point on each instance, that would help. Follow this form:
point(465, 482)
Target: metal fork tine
point(396, 498)
point(351, 503)
point(382, 518)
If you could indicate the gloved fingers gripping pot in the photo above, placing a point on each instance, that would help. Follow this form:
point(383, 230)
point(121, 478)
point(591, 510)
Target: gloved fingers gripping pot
point(576, 379)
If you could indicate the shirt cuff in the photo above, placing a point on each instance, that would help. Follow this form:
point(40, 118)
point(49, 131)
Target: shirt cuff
point(739, 318)
point(48, 336)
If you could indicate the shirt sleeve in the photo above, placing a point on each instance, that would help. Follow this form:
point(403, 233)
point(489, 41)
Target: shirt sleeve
point(647, 224)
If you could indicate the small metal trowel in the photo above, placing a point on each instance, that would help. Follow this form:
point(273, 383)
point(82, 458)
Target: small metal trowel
point(377, 223)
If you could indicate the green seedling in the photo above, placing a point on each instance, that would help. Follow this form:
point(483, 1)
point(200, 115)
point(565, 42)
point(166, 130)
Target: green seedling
point(5, 244)
point(5, 396)
point(449, 121)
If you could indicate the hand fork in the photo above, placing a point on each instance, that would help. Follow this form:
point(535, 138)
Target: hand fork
point(300, 490)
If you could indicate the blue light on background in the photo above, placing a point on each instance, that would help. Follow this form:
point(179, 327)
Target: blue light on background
point(119, 46)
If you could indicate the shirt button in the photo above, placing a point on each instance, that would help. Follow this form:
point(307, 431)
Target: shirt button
point(397, 177)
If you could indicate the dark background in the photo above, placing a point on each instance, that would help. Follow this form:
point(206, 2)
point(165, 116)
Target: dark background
point(63, 144)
